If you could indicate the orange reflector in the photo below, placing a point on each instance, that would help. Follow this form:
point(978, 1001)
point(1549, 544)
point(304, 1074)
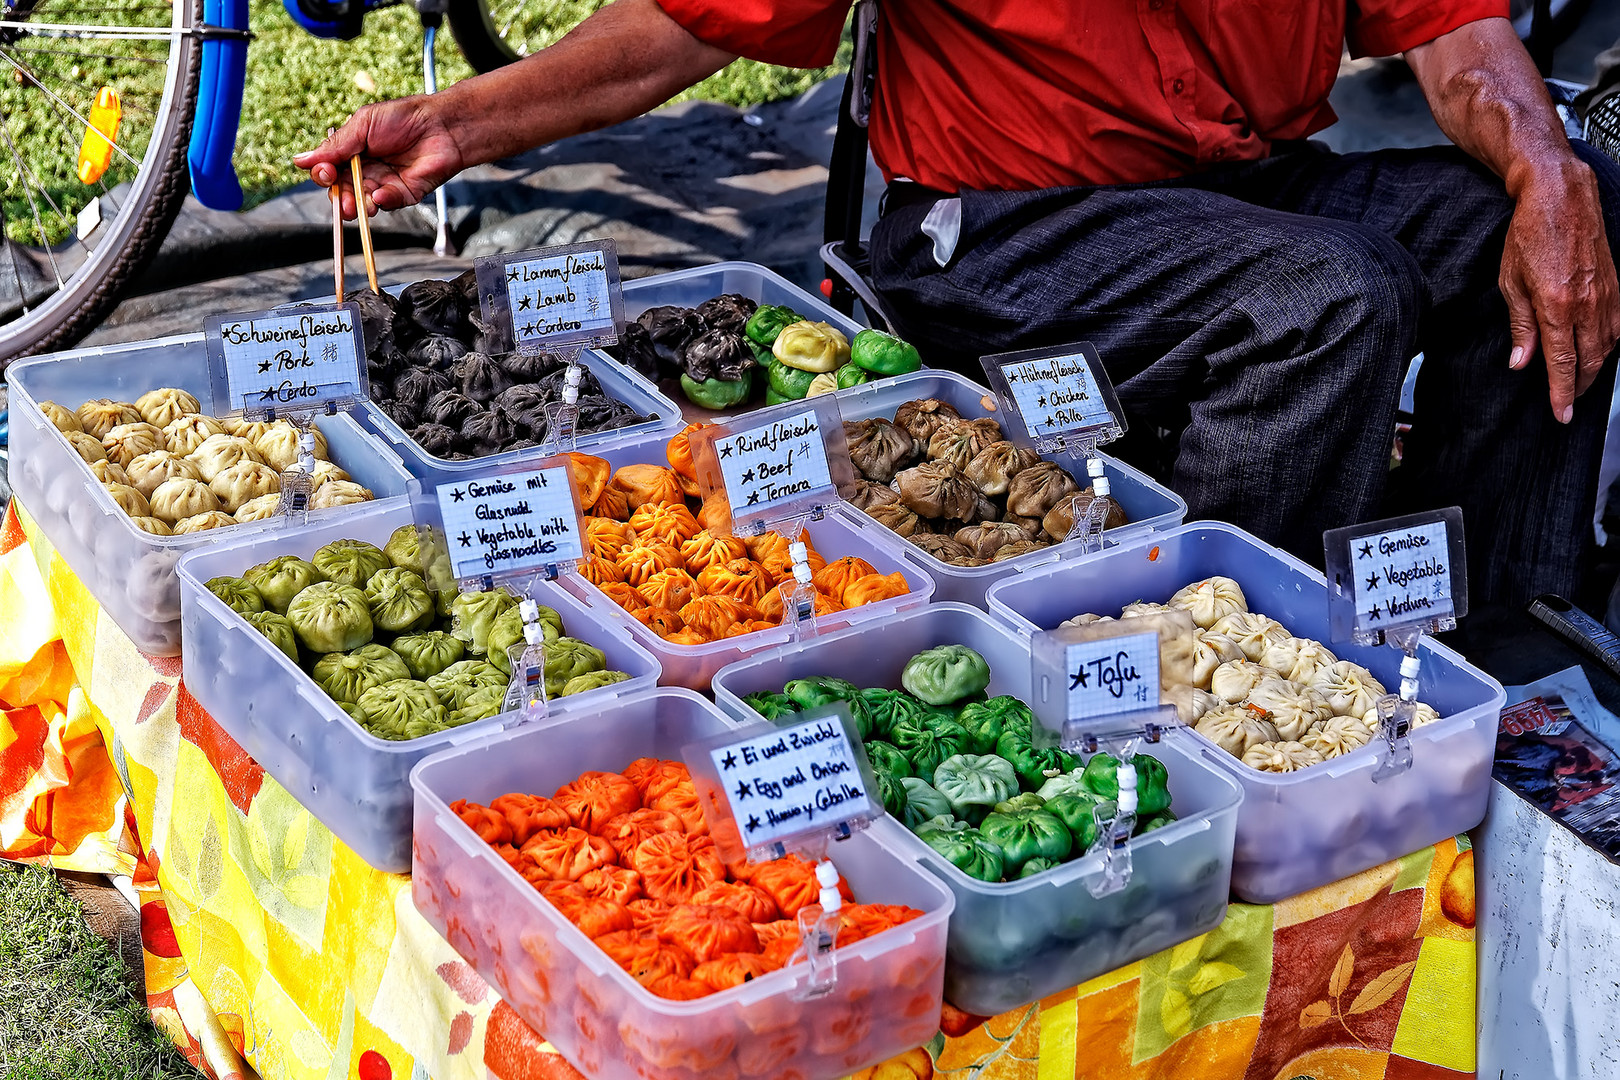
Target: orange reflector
point(95, 153)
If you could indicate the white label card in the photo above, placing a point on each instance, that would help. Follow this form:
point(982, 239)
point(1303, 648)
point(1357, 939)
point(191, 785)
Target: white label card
point(511, 522)
point(559, 297)
point(791, 780)
point(1113, 675)
point(1401, 576)
point(774, 464)
point(1057, 394)
point(286, 360)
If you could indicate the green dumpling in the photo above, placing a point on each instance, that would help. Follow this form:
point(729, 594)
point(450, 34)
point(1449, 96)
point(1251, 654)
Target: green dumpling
point(428, 653)
point(456, 683)
point(402, 709)
point(567, 658)
point(591, 680)
point(508, 631)
point(480, 704)
point(281, 579)
point(239, 595)
point(350, 562)
point(277, 629)
point(473, 616)
point(399, 601)
point(404, 549)
point(346, 676)
point(329, 617)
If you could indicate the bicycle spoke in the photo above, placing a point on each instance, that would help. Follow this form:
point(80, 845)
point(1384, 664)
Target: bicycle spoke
point(126, 102)
point(92, 56)
point(94, 32)
point(76, 115)
point(39, 224)
point(29, 174)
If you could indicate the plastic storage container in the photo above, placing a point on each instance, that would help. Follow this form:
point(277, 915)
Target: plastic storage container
point(130, 572)
point(689, 288)
point(1300, 830)
point(354, 782)
point(1016, 942)
point(835, 536)
point(886, 999)
point(1150, 507)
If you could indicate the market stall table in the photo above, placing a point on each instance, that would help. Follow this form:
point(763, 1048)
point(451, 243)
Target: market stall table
point(267, 939)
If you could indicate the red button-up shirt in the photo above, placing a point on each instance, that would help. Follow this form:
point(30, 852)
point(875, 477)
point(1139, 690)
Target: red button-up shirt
point(1019, 94)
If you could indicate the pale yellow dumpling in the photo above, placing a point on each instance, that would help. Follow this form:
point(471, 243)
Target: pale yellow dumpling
point(1210, 651)
point(1233, 680)
point(338, 493)
point(100, 415)
point(1291, 708)
point(279, 445)
point(213, 519)
point(86, 445)
point(243, 481)
point(1297, 659)
point(182, 498)
point(185, 433)
point(258, 509)
point(1338, 736)
point(1191, 703)
point(1425, 714)
point(110, 472)
point(219, 452)
point(1252, 632)
point(160, 407)
point(129, 500)
point(325, 472)
point(155, 526)
point(1142, 607)
point(126, 442)
point(62, 418)
point(149, 470)
point(1281, 757)
point(1235, 728)
point(1210, 600)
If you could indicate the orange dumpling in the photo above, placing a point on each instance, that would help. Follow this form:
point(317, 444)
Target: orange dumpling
point(627, 831)
point(874, 587)
point(645, 958)
point(715, 513)
point(567, 854)
point(648, 914)
point(489, 823)
point(711, 616)
point(706, 549)
point(861, 921)
point(661, 621)
point(675, 988)
point(832, 578)
point(675, 867)
point(594, 915)
point(672, 588)
point(687, 636)
point(654, 776)
point(612, 504)
point(605, 538)
point(643, 559)
point(679, 451)
point(596, 798)
point(529, 814)
point(742, 579)
point(599, 571)
point(732, 969)
point(671, 522)
point(749, 901)
point(770, 606)
point(590, 476)
point(617, 883)
point(682, 801)
point(768, 543)
point(707, 930)
point(624, 595)
point(738, 629)
point(644, 484)
point(790, 881)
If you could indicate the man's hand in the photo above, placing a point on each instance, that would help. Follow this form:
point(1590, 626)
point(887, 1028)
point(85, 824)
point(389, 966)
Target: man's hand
point(1558, 275)
point(406, 151)
point(1558, 278)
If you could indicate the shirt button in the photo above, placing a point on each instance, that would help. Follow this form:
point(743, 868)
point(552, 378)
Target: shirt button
point(1178, 86)
point(1220, 152)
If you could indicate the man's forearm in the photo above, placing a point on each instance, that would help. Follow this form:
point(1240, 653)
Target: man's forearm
point(625, 59)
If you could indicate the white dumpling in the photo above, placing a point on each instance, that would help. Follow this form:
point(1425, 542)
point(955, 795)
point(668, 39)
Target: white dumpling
point(110, 472)
point(61, 417)
point(161, 407)
point(185, 433)
point(1252, 632)
point(149, 470)
point(129, 500)
point(338, 493)
point(1338, 736)
point(1297, 659)
point(182, 498)
point(219, 452)
point(1235, 728)
point(1349, 688)
point(1291, 708)
point(265, 506)
point(1191, 703)
point(1232, 681)
point(1210, 651)
point(1210, 600)
point(213, 519)
point(1142, 607)
point(126, 442)
point(100, 415)
point(1281, 757)
point(243, 481)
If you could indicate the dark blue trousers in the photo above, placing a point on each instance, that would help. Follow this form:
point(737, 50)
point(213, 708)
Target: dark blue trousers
point(1263, 315)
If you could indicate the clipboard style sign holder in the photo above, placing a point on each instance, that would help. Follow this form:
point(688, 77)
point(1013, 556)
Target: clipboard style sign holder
point(288, 363)
point(558, 300)
point(1060, 400)
point(1391, 582)
point(509, 524)
point(1101, 686)
point(777, 469)
point(798, 785)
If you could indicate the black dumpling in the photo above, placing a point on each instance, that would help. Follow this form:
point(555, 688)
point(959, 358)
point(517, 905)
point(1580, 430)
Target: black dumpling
point(399, 412)
point(450, 408)
point(376, 316)
point(717, 354)
point(635, 350)
point(428, 308)
point(669, 328)
point(524, 407)
point(727, 312)
point(528, 367)
point(480, 378)
point(436, 439)
point(487, 432)
point(415, 385)
point(436, 352)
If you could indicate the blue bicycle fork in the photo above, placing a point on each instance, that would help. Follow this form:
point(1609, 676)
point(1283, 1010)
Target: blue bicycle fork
point(219, 108)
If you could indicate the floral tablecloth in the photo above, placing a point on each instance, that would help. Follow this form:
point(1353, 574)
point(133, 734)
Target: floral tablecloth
point(270, 946)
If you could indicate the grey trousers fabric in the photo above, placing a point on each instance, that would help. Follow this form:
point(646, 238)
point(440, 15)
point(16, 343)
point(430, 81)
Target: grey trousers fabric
point(1266, 314)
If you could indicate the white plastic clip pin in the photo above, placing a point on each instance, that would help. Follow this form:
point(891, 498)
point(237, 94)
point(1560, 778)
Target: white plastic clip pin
point(1114, 835)
point(562, 417)
point(1396, 714)
point(1087, 526)
point(799, 605)
point(818, 933)
point(527, 690)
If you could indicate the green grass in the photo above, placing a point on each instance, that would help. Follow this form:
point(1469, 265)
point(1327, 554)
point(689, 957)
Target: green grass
point(297, 87)
point(66, 1010)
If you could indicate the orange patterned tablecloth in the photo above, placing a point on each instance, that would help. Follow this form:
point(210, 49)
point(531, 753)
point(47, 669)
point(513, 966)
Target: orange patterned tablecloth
point(268, 941)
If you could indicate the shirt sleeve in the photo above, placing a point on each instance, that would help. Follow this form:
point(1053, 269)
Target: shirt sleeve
point(792, 33)
point(1390, 27)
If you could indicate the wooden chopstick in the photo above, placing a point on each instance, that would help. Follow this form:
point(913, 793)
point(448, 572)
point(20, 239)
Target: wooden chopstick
point(336, 193)
point(365, 226)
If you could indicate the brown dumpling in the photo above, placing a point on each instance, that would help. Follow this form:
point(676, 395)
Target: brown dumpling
point(868, 495)
point(897, 517)
point(213, 519)
point(1037, 489)
point(942, 547)
point(149, 470)
point(60, 416)
point(937, 489)
point(1032, 527)
point(993, 468)
point(185, 433)
point(163, 406)
point(1060, 519)
point(243, 481)
point(958, 442)
point(1017, 548)
point(878, 448)
point(969, 559)
point(921, 418)
point(126, 442)
point(100, 415)
point(985, 539)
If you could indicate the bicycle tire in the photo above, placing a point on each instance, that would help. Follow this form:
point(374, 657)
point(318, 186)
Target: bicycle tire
point(477, 37)
point(135, 235)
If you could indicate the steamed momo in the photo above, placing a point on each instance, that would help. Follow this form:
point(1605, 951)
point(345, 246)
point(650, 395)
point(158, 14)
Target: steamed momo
point(213, 519)
point(126, 442)
point(1338, 736)
point(161, 407)
point(1235, 728)
point(177, 499)
point(1233, 681)
point(86, 445)
point(1251, 632)
point(100, 415)
point(265, 506)
point(1349, 688)
point(146, 472)
point(1292, 709)
point(110, 472)
point(1281, 757)
point(185, 433)
point(279, 445)
point(242, 482)
point(1210, 651)
point(219, 452)
point(1210, 600)
point(62, 418)
point(1297, 659)
point(338, 493)
point(129, 500)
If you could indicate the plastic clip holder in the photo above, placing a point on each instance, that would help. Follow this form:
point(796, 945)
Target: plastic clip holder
point(298, 479)
point(526, 693)
point(818, 934)
point(562, 417)
point(799, 607)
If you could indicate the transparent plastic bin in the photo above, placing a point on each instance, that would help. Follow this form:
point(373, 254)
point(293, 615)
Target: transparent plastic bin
point(689, 288)
point(1299, 830)
point(836, 535)
point(130, 572)
point(1150, 507)
point(886, 1000)
point(1016, 942)
point(354, 782)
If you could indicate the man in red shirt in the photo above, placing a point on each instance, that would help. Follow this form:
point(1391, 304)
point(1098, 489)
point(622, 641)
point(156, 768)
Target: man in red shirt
point(1135, 172)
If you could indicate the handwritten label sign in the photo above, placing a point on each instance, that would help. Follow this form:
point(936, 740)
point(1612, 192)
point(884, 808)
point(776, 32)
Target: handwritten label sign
point(288, 359)
point(1401, 576)
point(554, 298)
point(775, 464)
point(510, 522)
point(1113, 675)
point(791, 781)
point(1057, 395)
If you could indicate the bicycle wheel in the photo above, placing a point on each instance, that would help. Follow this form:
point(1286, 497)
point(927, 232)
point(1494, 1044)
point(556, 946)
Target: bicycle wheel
point(70, 246)
point(493, 33)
